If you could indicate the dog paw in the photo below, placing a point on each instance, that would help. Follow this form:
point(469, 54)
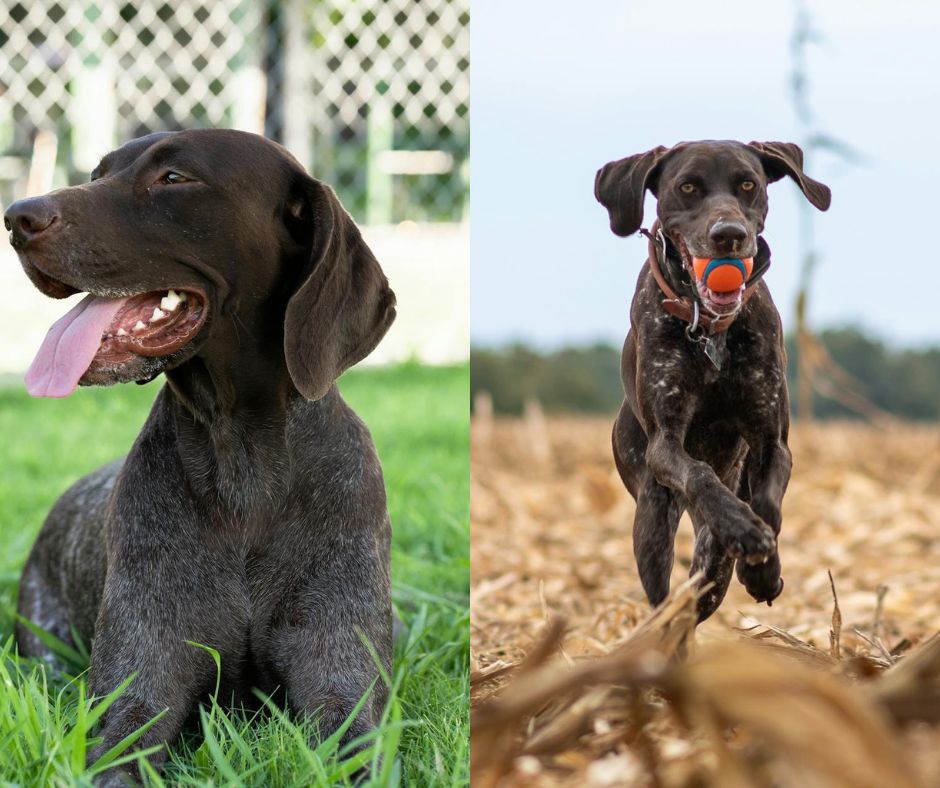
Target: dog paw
point(778, 592)
point(763, 595)
point(749, 539)
point(761, 581)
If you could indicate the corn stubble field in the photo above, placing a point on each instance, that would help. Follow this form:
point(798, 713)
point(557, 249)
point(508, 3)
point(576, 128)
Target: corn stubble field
point(574, 682)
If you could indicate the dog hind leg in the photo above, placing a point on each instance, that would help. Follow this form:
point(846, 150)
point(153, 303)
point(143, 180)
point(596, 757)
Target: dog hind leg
point(39, 603)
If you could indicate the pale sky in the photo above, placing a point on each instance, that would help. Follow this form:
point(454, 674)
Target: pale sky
point(559, 89)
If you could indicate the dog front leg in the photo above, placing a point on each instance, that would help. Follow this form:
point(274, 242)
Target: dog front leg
point(767, 474)
point(153, 604)
point(710, 558)
point(330, 669)
point(738, 529)
point(330, 639)
point(654, 531)
point(658, 508)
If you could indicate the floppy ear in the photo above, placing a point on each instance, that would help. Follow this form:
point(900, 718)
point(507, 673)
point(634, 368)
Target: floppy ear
point(620, 187)
point(785, 158)
point(342, 308)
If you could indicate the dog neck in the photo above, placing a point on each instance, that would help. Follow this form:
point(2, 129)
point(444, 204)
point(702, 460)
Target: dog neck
point(231, 413)
point(686, 307)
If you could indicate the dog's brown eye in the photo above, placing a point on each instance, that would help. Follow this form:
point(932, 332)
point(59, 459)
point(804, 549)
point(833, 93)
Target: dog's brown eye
point(746, 186)
point(688, 188)
point(173, 177)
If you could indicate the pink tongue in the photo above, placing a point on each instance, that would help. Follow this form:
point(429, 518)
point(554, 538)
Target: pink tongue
point(70, 346)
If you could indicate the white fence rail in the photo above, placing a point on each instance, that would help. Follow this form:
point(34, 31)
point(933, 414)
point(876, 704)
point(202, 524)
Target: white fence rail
point(338, 81)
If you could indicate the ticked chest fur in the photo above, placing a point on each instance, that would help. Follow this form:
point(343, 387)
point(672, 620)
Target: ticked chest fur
point(669, 379)
point(265, 507)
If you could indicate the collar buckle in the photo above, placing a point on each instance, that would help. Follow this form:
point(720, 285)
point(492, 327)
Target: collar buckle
point(693, 331)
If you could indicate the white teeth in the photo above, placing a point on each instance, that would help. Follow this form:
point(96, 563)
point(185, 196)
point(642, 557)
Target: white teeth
point(171, 300)
point(139, 325)
point(121, 332)
point(157, 314)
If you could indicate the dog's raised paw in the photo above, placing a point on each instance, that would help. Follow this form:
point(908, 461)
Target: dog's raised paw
point(779, 591)
point(762, 581)
point(751, 540)
point(762, 596)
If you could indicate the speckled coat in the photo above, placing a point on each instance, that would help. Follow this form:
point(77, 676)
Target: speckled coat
point(691, 436)
point(250, 514)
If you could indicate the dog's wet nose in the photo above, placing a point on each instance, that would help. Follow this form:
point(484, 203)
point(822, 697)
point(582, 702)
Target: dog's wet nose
point(725, 235)
point(28, 219)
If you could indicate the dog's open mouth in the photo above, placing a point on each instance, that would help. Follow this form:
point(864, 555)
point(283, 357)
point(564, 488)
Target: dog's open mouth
point(718, 303)
point(102, 333)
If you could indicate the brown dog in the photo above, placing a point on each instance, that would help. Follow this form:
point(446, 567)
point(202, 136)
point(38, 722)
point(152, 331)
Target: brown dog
point(704, 422)
point(250, 514)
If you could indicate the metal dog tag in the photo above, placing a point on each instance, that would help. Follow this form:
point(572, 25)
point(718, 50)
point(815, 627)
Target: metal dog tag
point(716, 349)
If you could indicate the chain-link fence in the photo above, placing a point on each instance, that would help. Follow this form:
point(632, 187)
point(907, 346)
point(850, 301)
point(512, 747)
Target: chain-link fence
point(372, 95)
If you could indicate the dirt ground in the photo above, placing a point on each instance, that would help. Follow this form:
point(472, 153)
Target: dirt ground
point(550, 535)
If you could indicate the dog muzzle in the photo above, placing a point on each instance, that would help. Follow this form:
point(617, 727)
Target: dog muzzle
point(723, 274)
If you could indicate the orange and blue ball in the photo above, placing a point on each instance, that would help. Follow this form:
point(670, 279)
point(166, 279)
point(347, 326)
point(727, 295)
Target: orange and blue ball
point(723, 274)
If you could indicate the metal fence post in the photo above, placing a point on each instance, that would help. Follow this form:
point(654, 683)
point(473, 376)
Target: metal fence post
point(381, 136)
point(101, 71)
point(92, 111)
point(296, 106)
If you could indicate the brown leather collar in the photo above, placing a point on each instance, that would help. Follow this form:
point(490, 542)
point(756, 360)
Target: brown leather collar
point(686, 308)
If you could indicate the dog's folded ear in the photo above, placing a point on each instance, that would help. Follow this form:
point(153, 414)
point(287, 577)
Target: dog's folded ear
point(343, 305)
point(620, 187)
point(785, 158)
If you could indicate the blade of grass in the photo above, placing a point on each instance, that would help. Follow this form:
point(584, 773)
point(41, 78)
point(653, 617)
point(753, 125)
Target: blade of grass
point(219, 759)
point(58, 647)
point(110, 758)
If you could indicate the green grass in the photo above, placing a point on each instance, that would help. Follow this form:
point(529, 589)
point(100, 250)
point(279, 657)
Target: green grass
point(419, 419)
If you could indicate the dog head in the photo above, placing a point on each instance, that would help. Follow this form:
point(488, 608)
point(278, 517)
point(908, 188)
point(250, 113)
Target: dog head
point(711, 199)
point(199, 243)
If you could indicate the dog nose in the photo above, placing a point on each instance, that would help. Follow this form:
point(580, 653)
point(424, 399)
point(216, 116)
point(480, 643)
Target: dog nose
point(726, 234)
point(28, 219)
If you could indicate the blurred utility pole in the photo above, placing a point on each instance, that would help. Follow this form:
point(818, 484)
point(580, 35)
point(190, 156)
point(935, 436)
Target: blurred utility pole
point(812, 358)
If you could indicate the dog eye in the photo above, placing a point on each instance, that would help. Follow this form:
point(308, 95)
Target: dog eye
point(746, 186)
point(688, 188)
point(173, 177)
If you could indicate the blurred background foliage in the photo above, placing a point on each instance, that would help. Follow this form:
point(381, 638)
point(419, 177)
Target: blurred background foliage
point(902, 382)
point(371, 95)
